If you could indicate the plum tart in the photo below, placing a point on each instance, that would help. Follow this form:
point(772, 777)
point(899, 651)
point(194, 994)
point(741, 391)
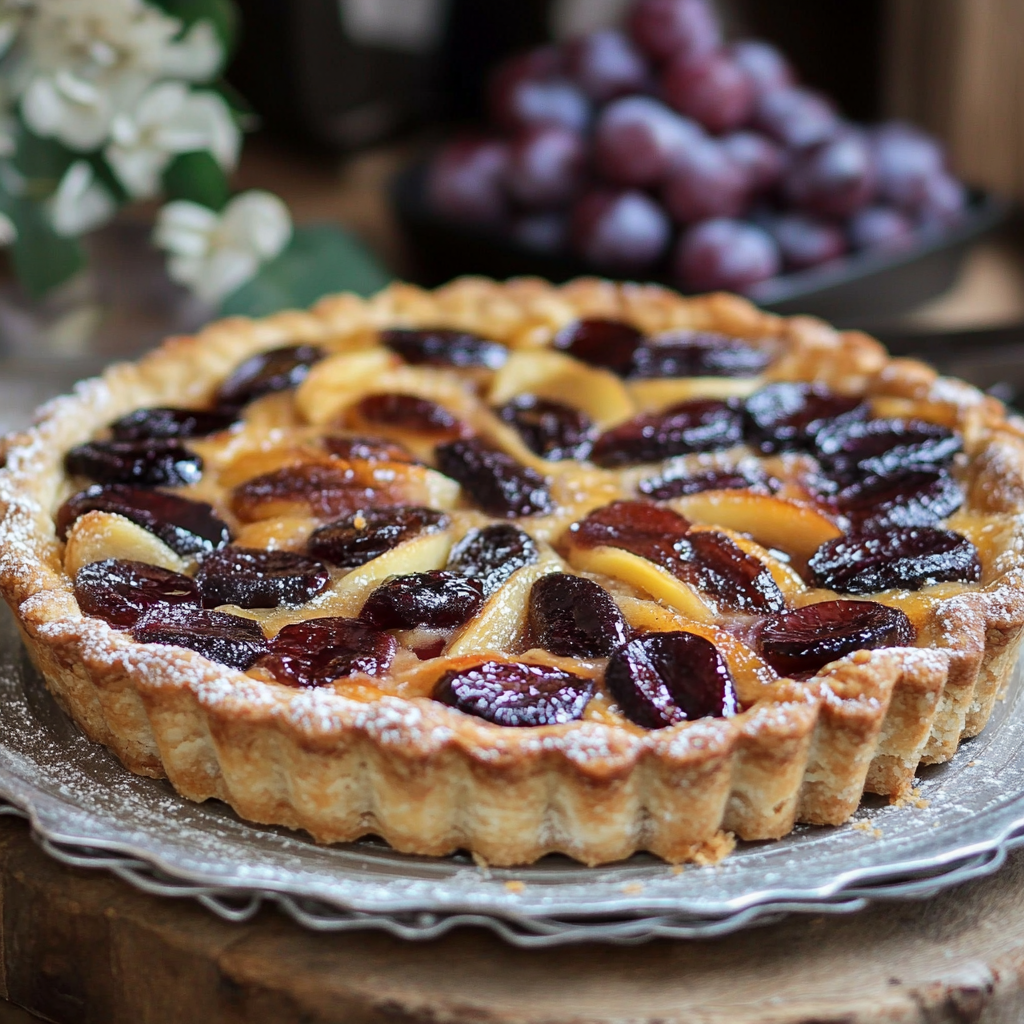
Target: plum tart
point(520, 569)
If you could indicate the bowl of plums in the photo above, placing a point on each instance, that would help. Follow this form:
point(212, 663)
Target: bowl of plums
point(660, 151)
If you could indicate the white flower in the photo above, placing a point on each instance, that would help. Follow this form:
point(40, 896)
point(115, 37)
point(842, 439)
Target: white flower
point(196, 57)
point(169, 119)
point(80, 203)
point(213, 254)
point(85, 61)
point(12, 17)
point(8, 232)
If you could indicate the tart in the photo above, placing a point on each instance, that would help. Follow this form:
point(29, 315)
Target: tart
point(521, 569)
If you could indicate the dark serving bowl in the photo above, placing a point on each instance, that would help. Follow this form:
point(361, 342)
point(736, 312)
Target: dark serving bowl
point(861, 289)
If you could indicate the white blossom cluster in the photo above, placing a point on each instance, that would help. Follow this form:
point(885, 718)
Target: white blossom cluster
point(123, 79)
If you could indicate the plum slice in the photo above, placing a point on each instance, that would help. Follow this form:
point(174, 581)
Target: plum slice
point(492, 554)
point(574, 617)
point(697, 354)
point(515, 693)
point(227, 639)
point(437, 599)
point(325, 491)
point(162, 462)
point(788, 415)
point(904, 497)
point(187, 527)
point(849, 450)
point(267, 372)
point(550, 429)
point(410, 412)
point(317, 651)
point(908, 558)
point(680, 483)
point(368, 449)
point(662, 679)
point(166, 422)
point(444, 347)
point(494, 480)
point(609, 344)
point(253, 578)
point(366, 534)
point(122, 591)
point(801, 641)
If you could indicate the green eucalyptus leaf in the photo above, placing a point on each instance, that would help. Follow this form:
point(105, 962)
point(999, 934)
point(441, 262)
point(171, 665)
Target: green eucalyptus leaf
point(42, 258)
point(319, 260)
point(40, 162)
point(198, 178)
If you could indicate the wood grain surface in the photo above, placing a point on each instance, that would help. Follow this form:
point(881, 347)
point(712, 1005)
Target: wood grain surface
point(82, 947)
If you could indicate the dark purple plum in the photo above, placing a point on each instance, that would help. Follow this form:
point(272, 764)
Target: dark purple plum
point(438, 599)
point(121, 591)
point(574, 617)
point(834, 179)
point(675, 28)
point(704, 182)
point(715, 564)
point(880, 228)
point(166, 423)
point(369, 533)
point(765, 66)
point(546, 166)
point(550, 429)
point(679, 482)
point(439, 346)
point(724, 253)
point(687, 353)
point(904, 497)
point(409, 412)
point(495, 482)
point(492, 554)
point(466, 181)
point(761, 160)
point(227, 639)
point(610, 344)
point(605, 64)
point(253, 578)
point(788, 415)
point(796, 117)
point(621, 231)
point(805, 240)
point(848, 448)
point(267, 372)
point(714, 90)
point(908, 160)
point(149, 463)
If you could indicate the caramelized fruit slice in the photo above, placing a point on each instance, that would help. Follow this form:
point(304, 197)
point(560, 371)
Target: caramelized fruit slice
point(701, 425)
point(780, 523)
point(787, 416)
point(357, 538)
point(228, 639)
point(909, 559)
point(164, 422)
point(369, 449)
point(186, 527)
point(801, 641)
point(323, 491)
point(314, 652)
point(881, 447)
point(665, 678)
point(97, 536)
point(550, 429)
point(437, 599)
point(698, 354)
point(610, 344)
point(644, 529)
point(574, 617)
point(156, 463)
point(409, 413)
point(251, 578)
point(492, 554)
point(905, 497)
point(716, 565)
point(121, 591)
point(440, 347)
point(515, 694)
point(494, 480)
point(680, 482)
point(266, 372)
point(657, 394)
point(334, 384)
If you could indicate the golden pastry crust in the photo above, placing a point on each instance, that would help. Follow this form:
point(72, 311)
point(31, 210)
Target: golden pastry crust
point(430, 779)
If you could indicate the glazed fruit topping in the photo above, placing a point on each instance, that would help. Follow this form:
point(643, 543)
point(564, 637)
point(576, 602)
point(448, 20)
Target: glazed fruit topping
point(550, 429)
point(610, 344)
point(438, 599)
point(880, 447)
point(574, 617)
point(700, 425)
point(187, 527)
point(440, 347)
point(253, 578)
point(363, 535)
point(369, 449)
point(787, 416)
point(698, 354)
point(678, 483)
point(150, 463)
point(645, 529)
point(164, 423)
point(804, 640)
point(323, 491)
point(492, 554)
point(905, 497)
point(494, 480)
point(908, 558)
point(121, 591)
point(714, 563)
point(516, 694)
point(410, 412)
point(228, 639)
point(267, 372)
point(314, 652)
point(662, 679)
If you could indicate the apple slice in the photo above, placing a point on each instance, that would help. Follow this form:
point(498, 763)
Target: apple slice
point(97, 536)
point(335, 383)
point(560, 378)
point(797, 528)
point(656, 395)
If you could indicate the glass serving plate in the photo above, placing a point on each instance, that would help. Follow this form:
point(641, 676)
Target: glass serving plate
point(88, 810)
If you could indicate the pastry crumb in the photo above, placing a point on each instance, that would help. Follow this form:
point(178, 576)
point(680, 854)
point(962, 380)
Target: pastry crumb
point(971, 764)
point(481, 863)
point(514, 885)
point(677, 869)
point(869, 827)
point(633, 888)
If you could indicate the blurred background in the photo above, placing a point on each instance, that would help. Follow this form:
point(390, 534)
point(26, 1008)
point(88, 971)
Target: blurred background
point(349, 94)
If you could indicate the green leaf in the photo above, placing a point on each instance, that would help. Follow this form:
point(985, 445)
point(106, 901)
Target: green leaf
point(221, 12)
point(41, 162)
point(198, 178)
point(42, 258)
point(320, 259)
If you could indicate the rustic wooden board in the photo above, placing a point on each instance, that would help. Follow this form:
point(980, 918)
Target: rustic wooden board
point(82, 947)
